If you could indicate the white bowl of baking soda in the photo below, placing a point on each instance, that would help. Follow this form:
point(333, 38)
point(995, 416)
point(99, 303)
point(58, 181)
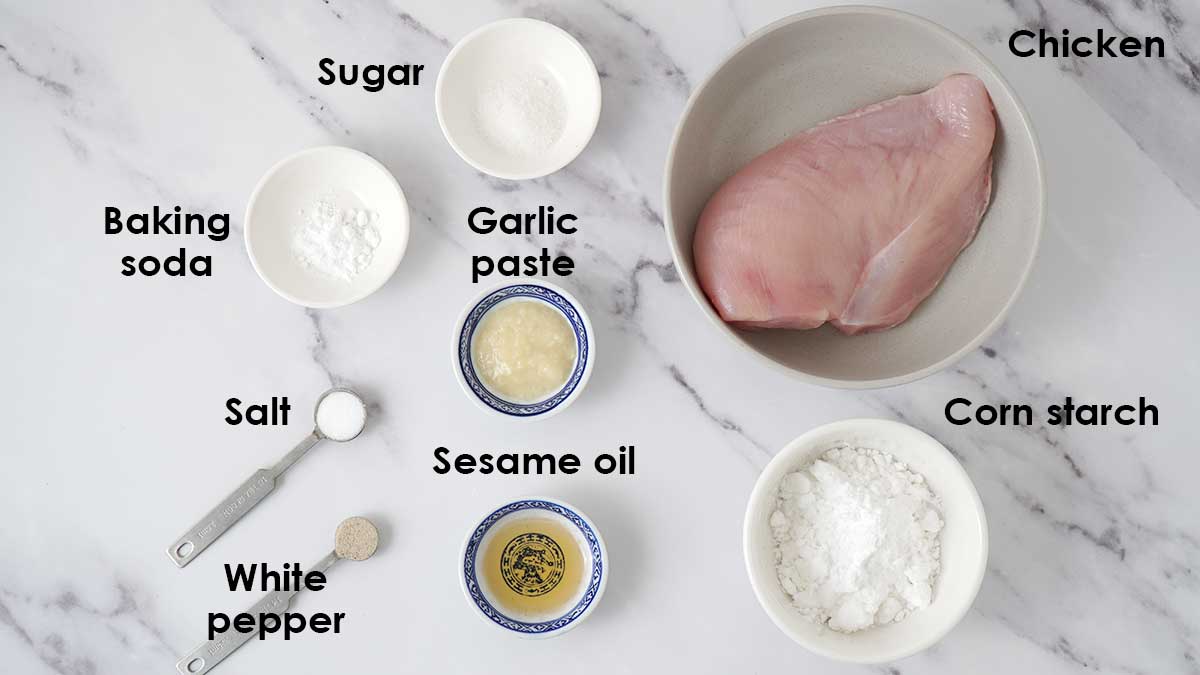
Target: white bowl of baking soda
point(865, 540)
point(326, 227)
point(518, 98)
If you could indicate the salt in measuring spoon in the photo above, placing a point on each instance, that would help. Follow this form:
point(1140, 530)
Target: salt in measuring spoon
point(356, 539)
point(340, 415)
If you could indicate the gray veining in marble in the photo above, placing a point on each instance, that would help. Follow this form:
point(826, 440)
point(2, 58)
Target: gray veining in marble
point(1155, 100)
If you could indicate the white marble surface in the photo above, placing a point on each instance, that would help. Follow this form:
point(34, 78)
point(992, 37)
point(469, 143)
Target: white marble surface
point(116, 385)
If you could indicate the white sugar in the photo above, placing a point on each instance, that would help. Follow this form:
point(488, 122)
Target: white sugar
point(523, 112)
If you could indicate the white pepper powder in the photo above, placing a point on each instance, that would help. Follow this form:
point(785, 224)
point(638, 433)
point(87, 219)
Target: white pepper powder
point(356, 539)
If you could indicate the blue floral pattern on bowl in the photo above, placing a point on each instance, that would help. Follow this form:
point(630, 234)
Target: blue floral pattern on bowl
point(536, 292)
point(471, 581)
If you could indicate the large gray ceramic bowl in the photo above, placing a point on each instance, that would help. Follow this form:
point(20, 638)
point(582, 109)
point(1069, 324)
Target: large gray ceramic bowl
point(813, 66)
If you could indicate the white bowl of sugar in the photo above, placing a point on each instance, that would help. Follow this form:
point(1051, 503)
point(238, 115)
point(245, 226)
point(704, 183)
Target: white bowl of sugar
point(518, 98)
point(896, 496)
point(326, 227)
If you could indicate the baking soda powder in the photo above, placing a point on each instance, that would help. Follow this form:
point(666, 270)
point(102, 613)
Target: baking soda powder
point(856, 539)
point(335, 241)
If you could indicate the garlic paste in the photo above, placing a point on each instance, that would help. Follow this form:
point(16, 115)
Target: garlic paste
point(524, 350)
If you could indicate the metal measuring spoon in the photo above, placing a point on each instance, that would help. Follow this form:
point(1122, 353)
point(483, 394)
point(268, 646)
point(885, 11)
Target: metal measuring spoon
point(356, 539)
point(259, 485)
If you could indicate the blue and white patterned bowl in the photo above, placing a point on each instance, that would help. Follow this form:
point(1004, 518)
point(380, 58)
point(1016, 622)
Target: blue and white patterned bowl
point(591, 545)
point(559, 299)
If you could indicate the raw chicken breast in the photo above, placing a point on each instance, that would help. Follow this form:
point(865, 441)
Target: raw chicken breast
point(854, 221)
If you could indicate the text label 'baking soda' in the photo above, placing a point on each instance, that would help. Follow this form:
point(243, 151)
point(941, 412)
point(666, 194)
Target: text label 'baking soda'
point(544, 221)
point(159, 221)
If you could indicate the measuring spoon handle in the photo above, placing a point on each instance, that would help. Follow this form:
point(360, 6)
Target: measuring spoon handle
point(232, 508)
point(229, 511)
point(206, 657)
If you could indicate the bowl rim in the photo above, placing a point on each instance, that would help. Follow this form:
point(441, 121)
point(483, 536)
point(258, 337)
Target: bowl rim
point(593, 83)
point(404, 226)
point(698, 295)
point(586, 351)
point(601, 565)
point(764, 486)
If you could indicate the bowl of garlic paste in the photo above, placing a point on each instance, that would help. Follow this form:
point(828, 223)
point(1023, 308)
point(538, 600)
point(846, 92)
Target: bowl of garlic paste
point(524, 351)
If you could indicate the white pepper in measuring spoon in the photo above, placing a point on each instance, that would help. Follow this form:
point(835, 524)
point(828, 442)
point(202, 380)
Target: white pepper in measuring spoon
point(340, 415)
point(356, 539)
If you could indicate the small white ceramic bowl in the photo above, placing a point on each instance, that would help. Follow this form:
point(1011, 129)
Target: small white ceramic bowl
point(590, 542)
point(964, 542)
point(540, 291)
point(495, 51)
point(809, 68)
point(355, 180)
